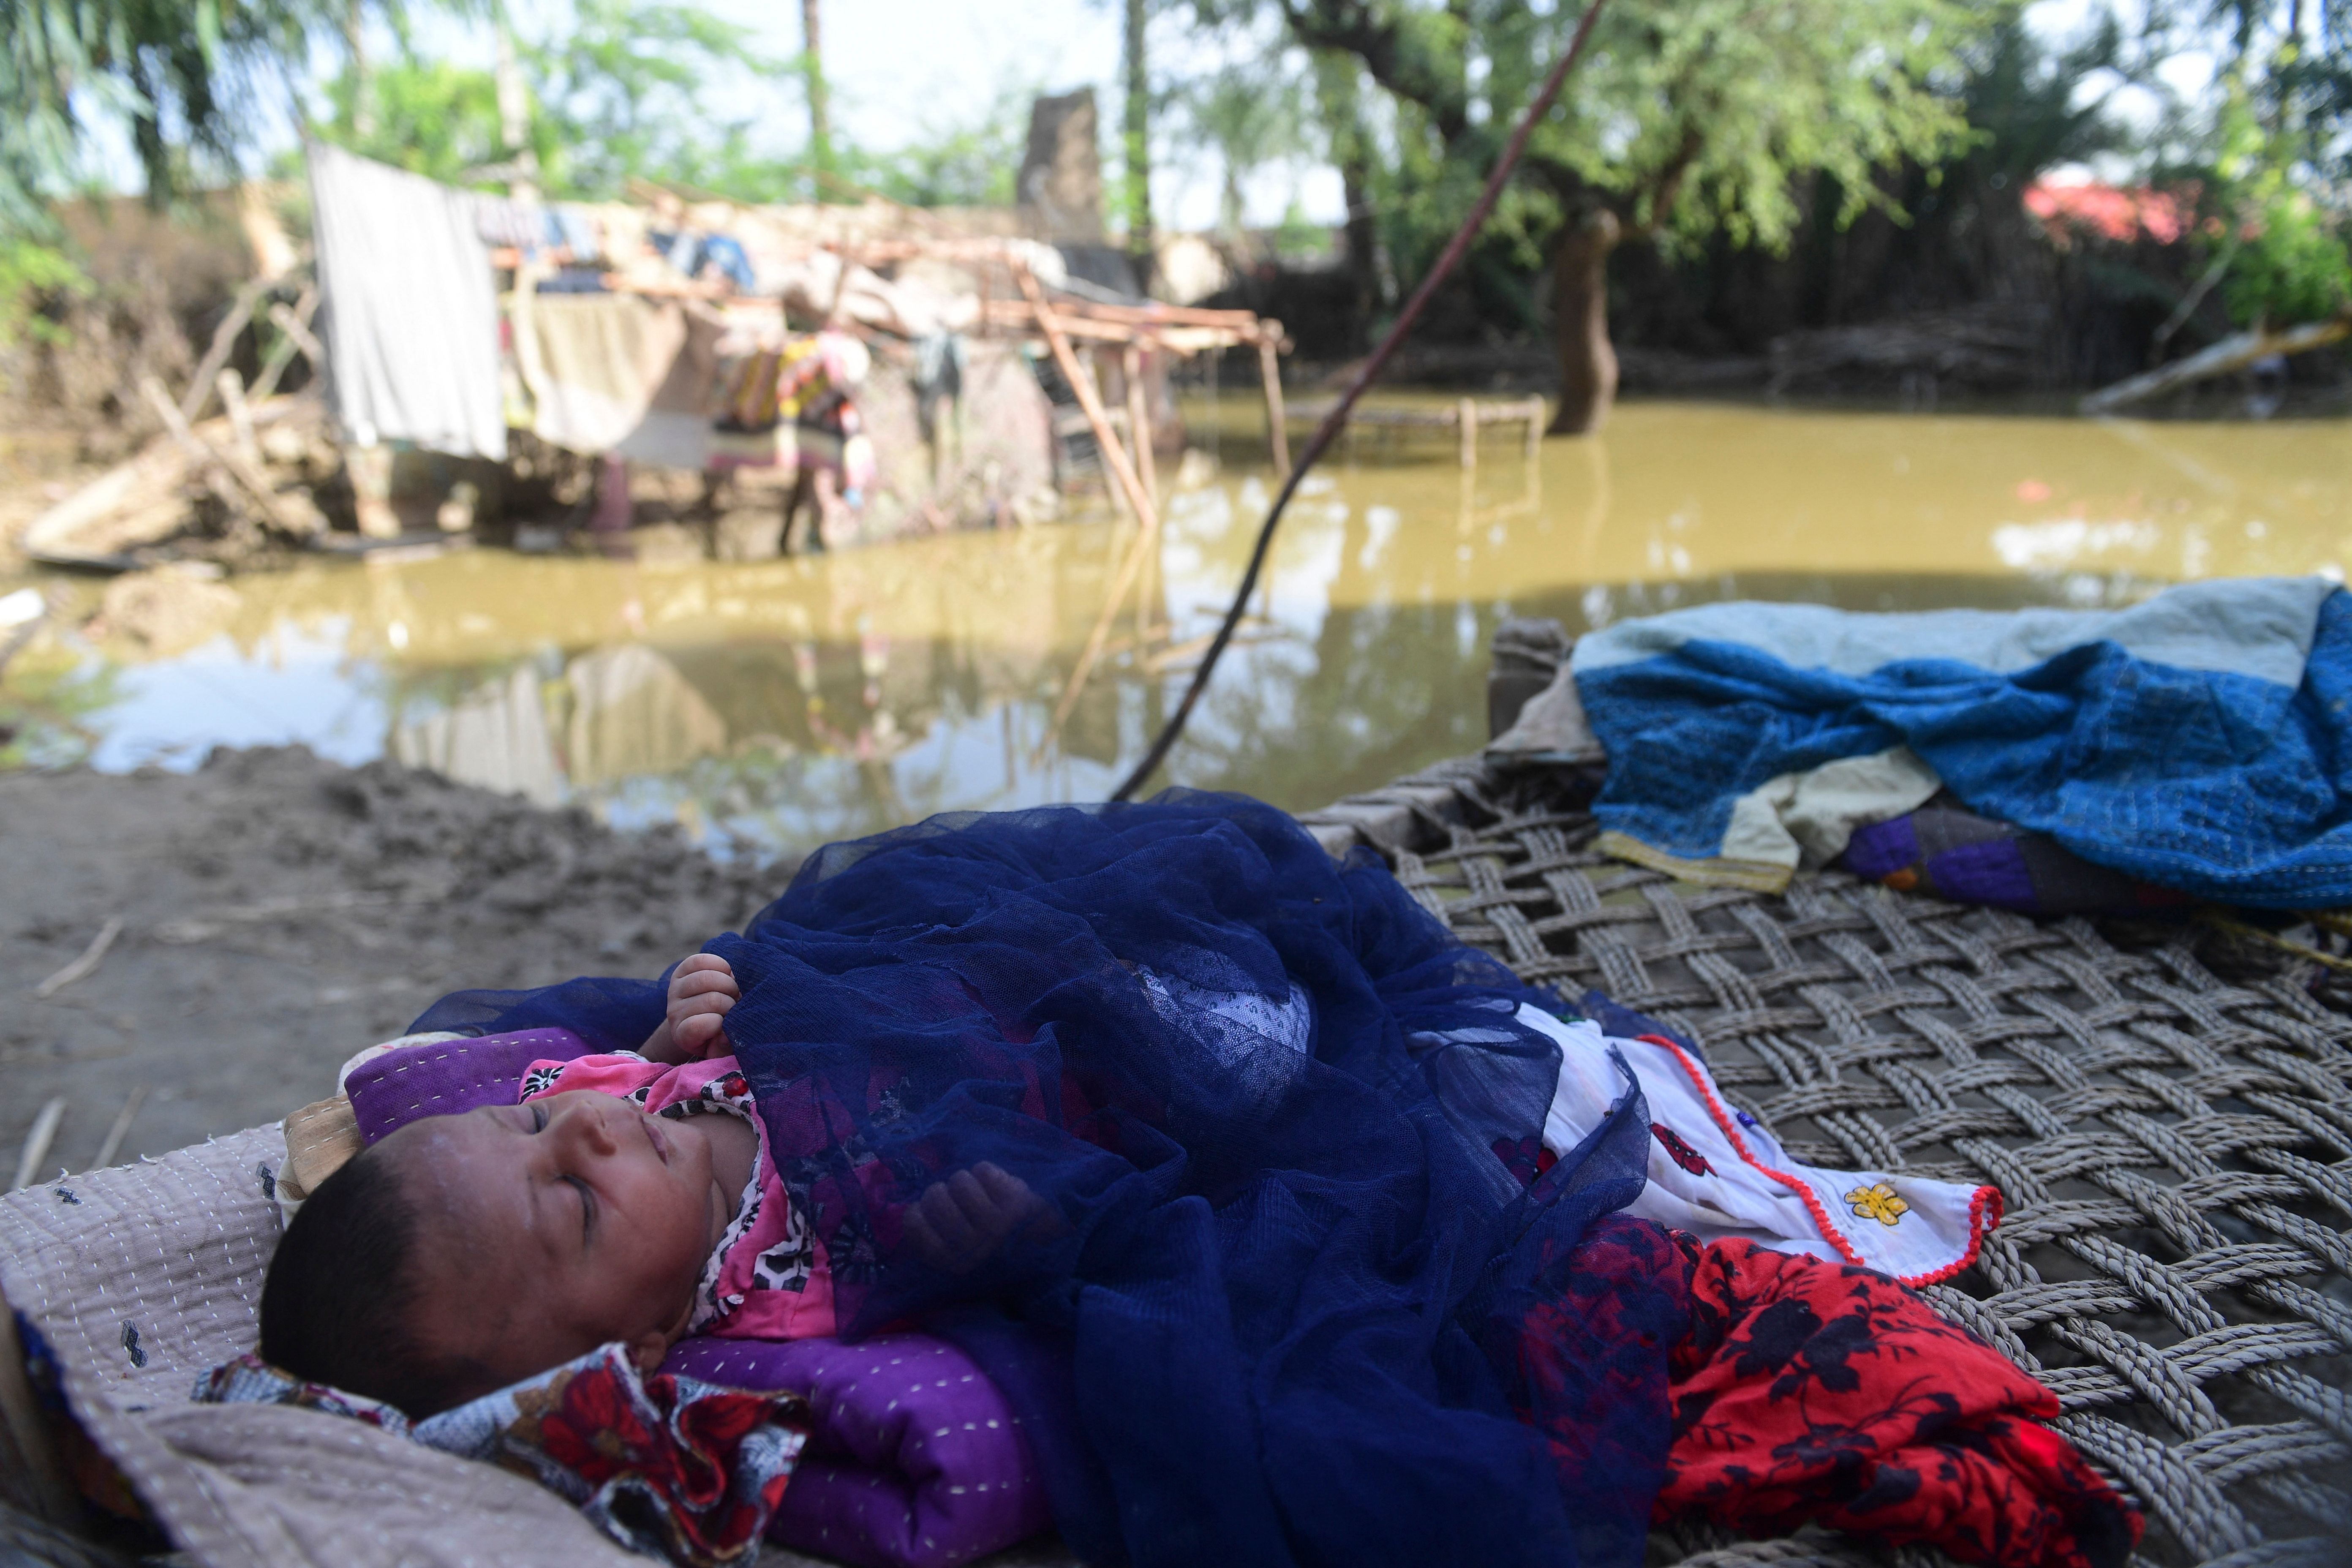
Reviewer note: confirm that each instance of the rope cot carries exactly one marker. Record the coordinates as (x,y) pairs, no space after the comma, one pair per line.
(2169,1117)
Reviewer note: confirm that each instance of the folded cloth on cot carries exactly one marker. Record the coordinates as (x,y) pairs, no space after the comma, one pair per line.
(1945,851)
(665,1465)
(2200,742)
(1717,1173)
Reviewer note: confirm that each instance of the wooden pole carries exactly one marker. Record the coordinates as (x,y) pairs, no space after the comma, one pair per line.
(1143,551)
(1467,416)
(1139,417)
(1089,401)
(1147,463)
(1535,427)
(283,354)
(240,416)
(298,328)
(1277,430)
(248,476)
(224,340)
(2233,352)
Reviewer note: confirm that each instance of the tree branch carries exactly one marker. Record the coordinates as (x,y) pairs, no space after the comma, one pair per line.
(1668,185)
(1388,54)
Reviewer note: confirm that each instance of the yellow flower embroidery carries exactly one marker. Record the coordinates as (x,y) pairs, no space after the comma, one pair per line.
(1878,1203)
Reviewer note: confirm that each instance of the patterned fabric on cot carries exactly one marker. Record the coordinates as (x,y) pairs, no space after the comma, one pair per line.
(1949,852)
(915,1459)
(1718,1173)
(447,1075)
(668,1465)
(1809,1392)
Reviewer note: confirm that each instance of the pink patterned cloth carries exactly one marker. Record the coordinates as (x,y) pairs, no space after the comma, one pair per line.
(769,1278)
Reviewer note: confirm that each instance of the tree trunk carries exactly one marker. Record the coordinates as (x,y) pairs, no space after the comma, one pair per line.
(514,116)
(1363,241)
(1337,99)
(1135,135)
(1588,363)
(363,77)
(819,107)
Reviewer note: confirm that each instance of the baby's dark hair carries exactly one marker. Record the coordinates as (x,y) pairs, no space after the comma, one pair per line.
(338,1306)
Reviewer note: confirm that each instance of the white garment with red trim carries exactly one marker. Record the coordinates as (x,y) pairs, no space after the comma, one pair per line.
(1717,1173)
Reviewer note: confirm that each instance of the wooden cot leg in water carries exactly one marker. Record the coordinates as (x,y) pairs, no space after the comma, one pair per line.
(1138,429)
(1139,418)
(1278,431)
(1467,416)
(1535,427)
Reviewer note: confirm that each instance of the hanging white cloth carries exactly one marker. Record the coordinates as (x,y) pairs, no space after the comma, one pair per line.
(412,315)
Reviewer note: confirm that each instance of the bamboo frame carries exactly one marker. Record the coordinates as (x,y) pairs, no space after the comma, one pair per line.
(1089,401)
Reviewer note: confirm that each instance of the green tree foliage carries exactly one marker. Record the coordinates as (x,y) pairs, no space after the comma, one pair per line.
(2024,100)
(1689,116)
(1689,119)
(429,117)
(187,76)
(620,92)
(955,162)
(1248,114)
(29,269)
(2281,223)
(625,90)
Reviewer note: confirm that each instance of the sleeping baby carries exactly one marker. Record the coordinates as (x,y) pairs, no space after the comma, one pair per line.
(631,1197)
(626,1197)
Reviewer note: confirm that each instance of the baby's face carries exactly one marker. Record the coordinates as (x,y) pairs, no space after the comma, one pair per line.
(552,1228)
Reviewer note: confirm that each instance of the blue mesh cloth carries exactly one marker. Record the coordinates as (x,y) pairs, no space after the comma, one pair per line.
(1259,1304)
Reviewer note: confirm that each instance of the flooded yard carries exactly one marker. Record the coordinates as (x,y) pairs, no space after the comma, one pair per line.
(772,706)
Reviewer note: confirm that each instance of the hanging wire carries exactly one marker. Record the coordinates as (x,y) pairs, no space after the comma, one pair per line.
(1335,421)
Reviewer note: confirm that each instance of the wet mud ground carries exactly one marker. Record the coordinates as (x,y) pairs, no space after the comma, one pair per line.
(278,912)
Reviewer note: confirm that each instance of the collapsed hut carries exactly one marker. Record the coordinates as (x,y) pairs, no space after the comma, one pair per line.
(774,377)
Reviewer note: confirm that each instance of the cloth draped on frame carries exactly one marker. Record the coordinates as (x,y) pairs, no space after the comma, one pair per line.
(411,317)
(685,387)
(1267,1305)
(2199,742)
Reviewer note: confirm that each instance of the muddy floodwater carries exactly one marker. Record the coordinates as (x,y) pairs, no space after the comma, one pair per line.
(772,706)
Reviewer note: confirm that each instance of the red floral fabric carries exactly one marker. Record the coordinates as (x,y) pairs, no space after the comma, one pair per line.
(668,1465)
(1812,1391)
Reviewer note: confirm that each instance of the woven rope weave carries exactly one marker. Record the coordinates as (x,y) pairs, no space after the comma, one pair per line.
(2175,1148)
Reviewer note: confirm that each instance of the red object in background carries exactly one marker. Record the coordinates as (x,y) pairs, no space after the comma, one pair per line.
(2110,212)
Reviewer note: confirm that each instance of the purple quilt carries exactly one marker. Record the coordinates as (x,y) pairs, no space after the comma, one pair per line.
(914,1460)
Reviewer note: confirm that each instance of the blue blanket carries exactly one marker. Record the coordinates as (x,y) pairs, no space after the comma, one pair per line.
(2198,741)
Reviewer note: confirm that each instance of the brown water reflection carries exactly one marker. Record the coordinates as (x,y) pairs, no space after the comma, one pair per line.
(782,703)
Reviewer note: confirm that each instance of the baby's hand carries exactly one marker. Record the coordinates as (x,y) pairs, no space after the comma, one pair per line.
(701,991)
(959,1224)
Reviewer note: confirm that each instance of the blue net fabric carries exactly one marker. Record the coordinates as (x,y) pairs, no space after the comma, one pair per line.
(1263,1290)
